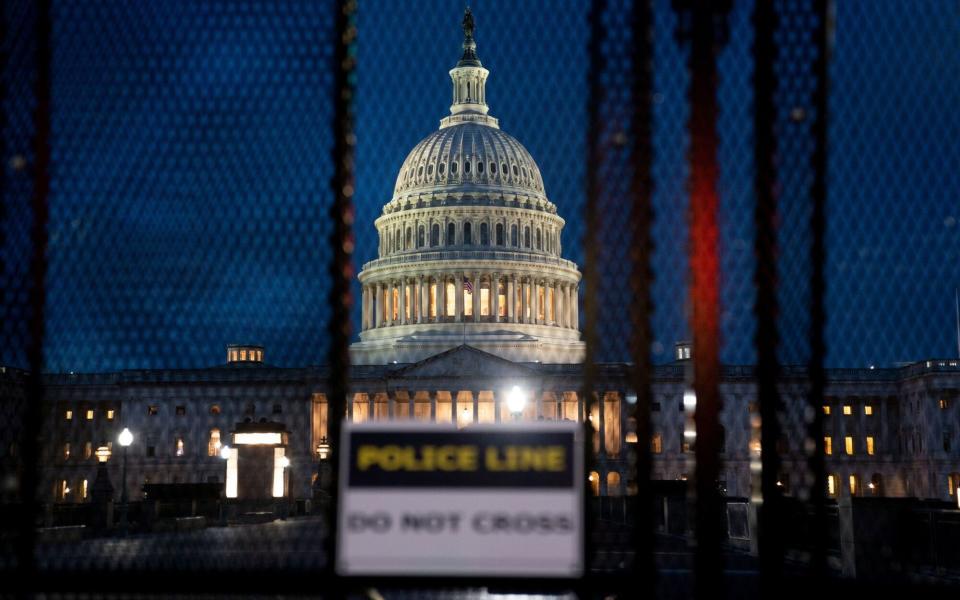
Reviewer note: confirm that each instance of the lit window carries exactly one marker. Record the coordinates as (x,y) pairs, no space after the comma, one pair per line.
(243,355)
(87,450)
(68,415)
(828,446)
(66,451)
(90,414)
(826,409)
(868,410)
(179,446)
(944,404)
(953,483)
(84,488)
(214,409)
(832,485)
(110,414)
(847,409)
(854,485)
(656,443)
(152,410)
(848,444)
(64,489)
(870,447)
(213,446)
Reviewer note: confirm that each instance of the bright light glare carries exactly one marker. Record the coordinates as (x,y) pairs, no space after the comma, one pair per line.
(689,400)
(284,462)
(516,400)
(125,438)
(225,452)
(257,438)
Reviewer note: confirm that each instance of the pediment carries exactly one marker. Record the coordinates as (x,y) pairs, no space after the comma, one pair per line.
(465,361)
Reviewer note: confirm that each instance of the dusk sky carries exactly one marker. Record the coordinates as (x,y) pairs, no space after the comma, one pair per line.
(191,165)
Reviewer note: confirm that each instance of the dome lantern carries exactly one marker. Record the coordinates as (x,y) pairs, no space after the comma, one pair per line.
(469,83)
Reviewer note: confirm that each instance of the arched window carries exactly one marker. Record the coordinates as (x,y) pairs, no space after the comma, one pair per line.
(453,168)
(441,168)
(594,480)
(420,171)
(613,484)
(493,168)
(513,235)
(953,484)
(213,445)
(466,166)
(526,237)
(451,234)
(499,234)
(484,234)
(408,242)
(435,235)
(539,240)
(480,168)
(524,171)
(515,172)
(467,233)
(547,236)
(430,169)
(503,168)
(420,237)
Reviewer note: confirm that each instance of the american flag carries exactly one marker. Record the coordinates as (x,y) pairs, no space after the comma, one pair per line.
(467,286)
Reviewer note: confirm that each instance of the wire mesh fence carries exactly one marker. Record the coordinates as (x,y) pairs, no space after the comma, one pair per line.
(720,235)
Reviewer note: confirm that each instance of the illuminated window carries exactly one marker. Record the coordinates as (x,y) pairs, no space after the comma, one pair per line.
(826,409)
(181,410)
(467,302)
(395,306)
(64,489)
(831,485)
(87,450)
(848,444)
(540,303)
(953,482)
(847,409)
(68,415)
(213,446)
(868,410)
(944,404)
(594,479)
(501,299)
(214,409)
(828,445)
(110,414)
(89,414)
(484,302)
(66,451)
(152,410)
(84,488)
(433,300)
(656,443)
(870,446)
(243,355)
(179,447)
(854,485)
(451,298)
(233,356)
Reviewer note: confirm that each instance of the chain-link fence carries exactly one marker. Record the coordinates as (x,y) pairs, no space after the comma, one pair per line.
(205,242)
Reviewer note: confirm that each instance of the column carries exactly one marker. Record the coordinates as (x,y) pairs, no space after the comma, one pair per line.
(476,296)
(389,303)
(540,405)
(378,306)
(411,397)
(371,406)
(563,304)
(512,298)
(454,414)
(402,301)
(459,292)
(476,406)
(535,302)
(497,409)
(423,294)
(441,297)
(433,406)
(575,307)
(579,407)
(602,429)
(391,405)
(495,296)
(524,302)
(556,303)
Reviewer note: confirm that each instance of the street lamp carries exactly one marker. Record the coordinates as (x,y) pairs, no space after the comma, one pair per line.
(323,448)
(516,401)
(125,438)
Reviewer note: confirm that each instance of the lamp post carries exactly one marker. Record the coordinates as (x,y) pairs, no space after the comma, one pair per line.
(516,402)
(125,438)
(322,483)
(225,455)
(102,491)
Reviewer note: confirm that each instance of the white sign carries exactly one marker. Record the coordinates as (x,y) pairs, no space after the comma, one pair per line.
(488,500)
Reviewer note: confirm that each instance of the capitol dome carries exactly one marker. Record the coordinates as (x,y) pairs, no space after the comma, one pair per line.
(470,246)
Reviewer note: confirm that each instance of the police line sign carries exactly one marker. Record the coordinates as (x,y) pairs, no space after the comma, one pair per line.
(488,500)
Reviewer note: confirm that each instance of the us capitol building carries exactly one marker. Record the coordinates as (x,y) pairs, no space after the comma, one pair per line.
(469,298)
